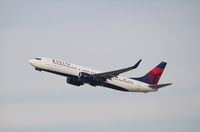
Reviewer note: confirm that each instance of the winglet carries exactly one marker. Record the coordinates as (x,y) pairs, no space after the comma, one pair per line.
(137,64)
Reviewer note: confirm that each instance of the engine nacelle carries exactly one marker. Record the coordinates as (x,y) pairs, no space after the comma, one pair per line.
(74,81)
(86,77)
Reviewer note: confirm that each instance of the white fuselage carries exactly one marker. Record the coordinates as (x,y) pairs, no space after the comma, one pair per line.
(68,69)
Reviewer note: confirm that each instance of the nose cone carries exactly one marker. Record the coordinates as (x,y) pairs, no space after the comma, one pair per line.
(31,62)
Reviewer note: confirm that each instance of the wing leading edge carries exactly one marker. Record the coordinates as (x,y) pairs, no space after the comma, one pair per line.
(108,75)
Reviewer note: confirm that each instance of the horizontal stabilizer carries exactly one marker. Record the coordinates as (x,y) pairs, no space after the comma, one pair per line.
(159,85)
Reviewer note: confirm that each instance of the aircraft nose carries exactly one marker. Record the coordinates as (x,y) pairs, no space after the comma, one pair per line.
(31,62)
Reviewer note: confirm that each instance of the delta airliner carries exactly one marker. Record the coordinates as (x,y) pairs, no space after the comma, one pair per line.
(79,75)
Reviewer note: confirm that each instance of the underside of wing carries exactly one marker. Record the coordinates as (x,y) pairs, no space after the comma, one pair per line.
(108,75)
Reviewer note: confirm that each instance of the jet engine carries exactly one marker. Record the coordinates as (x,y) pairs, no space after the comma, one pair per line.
(74,81)
(86,77)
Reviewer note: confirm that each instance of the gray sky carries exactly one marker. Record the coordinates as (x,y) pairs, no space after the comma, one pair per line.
(105,35)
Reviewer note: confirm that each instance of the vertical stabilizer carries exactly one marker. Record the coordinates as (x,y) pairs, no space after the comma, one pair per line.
(153,76)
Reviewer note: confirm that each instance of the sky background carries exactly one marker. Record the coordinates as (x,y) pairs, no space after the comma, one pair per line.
(106,35)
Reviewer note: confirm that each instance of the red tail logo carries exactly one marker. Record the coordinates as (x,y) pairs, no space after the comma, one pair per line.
(154,75)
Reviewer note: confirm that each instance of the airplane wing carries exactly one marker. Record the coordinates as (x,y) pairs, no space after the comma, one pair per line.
(108,75)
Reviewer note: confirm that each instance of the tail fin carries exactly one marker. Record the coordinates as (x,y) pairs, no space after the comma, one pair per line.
(154,75)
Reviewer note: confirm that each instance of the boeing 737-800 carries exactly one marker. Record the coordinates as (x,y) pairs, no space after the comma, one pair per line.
(79,75)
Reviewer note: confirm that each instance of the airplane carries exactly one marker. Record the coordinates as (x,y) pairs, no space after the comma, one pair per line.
(78,75)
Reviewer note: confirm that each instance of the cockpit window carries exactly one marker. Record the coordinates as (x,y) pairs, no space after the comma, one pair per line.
(38,58)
